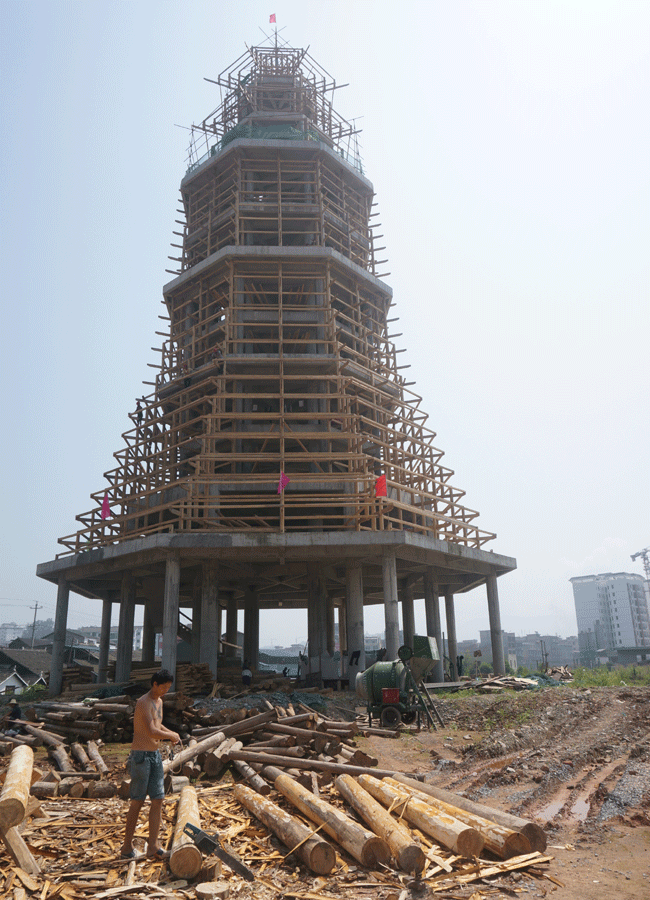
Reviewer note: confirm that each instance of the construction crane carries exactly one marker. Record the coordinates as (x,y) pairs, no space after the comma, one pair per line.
(645,555)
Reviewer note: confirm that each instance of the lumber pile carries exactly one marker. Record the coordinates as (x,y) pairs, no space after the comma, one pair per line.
(499,683)
(303,794)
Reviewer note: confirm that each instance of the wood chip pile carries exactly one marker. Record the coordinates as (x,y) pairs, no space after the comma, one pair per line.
(309,814)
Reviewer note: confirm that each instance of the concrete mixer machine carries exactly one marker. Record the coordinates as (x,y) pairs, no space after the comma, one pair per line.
(392,689)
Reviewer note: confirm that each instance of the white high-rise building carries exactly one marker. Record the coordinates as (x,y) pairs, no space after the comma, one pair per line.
(612,611)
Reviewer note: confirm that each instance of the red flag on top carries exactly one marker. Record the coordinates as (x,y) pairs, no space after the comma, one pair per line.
(380,487)
(272,18)
(106,510)
(283,482)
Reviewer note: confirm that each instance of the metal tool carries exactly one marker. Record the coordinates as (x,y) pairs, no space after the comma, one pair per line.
(212,846)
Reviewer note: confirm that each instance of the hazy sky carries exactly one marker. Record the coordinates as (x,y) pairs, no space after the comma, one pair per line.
(509,146)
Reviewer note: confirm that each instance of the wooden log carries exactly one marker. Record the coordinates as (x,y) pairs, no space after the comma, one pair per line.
(15,791)
(312,849)
(191,768)
(60,756)
(85,776)
(363,845)
(212,890)
(81,756)
(174,784)
(307,720)
(191,752)
(95,755)
(358,757)
(256,781)
(52,775)
(300,752)
(536,835)
(272,740)
(19,851)
(124,789)
(273,759)
(186,860)
(37,775)
(73,787)
(44,790)
(443,828)
(87,731)
(22,740)
(303,735)
(210,870)
(46,737)
(408,854)
(216,760)
(120,708)
(502,841)
(101,789)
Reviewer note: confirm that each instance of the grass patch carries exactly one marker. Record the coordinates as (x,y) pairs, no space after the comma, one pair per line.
(604,676)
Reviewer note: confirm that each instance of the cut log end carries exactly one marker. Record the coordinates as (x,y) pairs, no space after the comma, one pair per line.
(322,858)
(411,859)
(212,889)
(515,844)
(469,843)
(536,837)
(375,853)
(186,861)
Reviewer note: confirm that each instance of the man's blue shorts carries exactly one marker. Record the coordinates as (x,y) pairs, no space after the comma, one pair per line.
(147,776)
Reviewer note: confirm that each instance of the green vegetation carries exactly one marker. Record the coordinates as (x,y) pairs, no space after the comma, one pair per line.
(34,692)
(602,676)
(507,714)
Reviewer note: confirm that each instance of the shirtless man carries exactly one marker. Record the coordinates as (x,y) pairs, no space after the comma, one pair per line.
(145,764)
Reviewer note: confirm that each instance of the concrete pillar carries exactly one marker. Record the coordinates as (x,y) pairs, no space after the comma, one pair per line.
(451,633)
(231,627)
(391,610)
(251,627)
(148,636)
(315,621)
(125,629)
(58,641)
(209,639)
(354,621)
(196,619)
(343,627)
(408,615)
(496,634)
(104,640)
(432,612)
(330,639)
(170,612)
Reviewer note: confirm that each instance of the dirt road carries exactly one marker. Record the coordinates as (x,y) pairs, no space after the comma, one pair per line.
(575,761)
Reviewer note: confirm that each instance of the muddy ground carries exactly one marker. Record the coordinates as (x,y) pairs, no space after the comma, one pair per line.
(575,761)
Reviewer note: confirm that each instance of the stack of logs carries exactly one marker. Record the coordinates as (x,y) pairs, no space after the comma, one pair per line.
(387,806)
(286,763)
(85,777)
(310,745)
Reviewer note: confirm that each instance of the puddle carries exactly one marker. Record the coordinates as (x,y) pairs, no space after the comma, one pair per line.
(581,804)
(580,809)
(551,809)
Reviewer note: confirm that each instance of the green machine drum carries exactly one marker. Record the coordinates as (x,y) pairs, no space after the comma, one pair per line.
(369,684)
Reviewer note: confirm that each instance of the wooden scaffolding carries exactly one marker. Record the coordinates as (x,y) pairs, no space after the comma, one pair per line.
(279,357)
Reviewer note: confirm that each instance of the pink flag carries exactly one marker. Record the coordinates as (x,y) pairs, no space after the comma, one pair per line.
(272,19)
(283,482)
(380,487)
(106,510)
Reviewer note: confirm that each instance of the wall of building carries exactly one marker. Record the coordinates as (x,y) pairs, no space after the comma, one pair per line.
(613,607)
